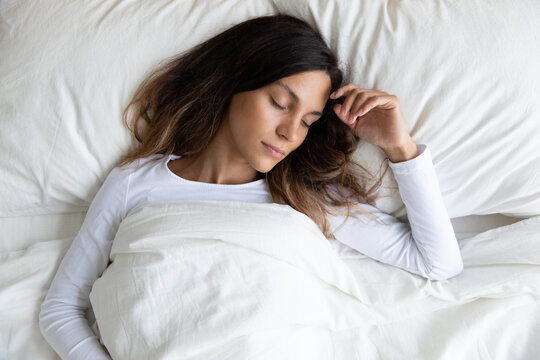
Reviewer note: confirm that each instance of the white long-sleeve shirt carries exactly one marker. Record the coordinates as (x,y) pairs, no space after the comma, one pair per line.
(426,246)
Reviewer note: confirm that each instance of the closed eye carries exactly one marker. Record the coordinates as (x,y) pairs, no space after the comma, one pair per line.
(282,108)
(276,104)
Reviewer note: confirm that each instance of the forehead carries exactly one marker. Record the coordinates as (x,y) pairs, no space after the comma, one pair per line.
(306,88)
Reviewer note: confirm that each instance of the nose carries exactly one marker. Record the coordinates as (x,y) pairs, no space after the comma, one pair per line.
(289,128)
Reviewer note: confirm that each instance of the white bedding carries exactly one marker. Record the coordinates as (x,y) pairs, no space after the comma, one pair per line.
(219,280)
(465,72)
(490,311)
(496,297)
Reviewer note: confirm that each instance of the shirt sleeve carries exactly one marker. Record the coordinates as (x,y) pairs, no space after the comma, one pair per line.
(62,318)
(426,245)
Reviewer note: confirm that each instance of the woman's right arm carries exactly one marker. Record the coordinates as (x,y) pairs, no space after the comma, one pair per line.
(62,319)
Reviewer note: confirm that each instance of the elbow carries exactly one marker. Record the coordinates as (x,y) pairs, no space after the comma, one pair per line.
(445,273)
(42,317)
(49,314)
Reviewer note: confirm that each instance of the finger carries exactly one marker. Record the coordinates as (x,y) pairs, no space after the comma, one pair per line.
(352,96)
(375,101)
(354,99)
(341,114)
(338,109)
(360,96)
(350,86)
(360,100)
(346,119)
(340,91)
(344,90)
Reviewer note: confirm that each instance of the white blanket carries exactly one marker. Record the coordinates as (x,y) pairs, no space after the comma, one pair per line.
(226,280)
(490,311)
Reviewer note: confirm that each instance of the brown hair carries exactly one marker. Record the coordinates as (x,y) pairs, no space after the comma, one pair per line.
(183,101)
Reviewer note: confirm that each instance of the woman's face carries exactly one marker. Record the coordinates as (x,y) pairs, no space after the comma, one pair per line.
(276,116)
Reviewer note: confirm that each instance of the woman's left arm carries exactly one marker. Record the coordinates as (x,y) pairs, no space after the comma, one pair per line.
(428,245)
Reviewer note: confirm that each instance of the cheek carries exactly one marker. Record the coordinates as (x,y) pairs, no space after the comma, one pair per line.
(246,124)
(256,118)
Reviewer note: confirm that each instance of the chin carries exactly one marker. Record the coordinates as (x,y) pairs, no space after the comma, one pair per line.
(265,166)
(264,169)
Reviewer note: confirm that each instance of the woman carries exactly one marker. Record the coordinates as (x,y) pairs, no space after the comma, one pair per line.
(258,114)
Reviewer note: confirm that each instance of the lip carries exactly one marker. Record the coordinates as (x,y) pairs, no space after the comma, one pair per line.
(276,152)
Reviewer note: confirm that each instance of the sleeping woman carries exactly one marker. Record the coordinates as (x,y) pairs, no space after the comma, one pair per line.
(258,114)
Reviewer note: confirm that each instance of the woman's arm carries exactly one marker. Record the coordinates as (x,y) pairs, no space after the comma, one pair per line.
(62,318)
(427,246)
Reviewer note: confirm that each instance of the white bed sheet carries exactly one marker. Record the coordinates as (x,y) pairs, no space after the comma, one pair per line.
(469,226)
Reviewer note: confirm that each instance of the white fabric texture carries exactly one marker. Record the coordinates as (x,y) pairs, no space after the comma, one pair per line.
(25,276)
(219,280)
(427,246)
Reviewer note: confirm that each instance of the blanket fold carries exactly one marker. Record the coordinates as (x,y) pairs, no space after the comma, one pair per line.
(226,280)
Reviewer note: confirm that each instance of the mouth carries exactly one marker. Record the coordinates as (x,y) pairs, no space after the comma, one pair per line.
(274,151)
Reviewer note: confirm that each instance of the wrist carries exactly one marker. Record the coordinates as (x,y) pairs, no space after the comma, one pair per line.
(402,152)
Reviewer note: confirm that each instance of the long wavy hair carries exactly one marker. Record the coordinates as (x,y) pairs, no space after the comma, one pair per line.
(182,102)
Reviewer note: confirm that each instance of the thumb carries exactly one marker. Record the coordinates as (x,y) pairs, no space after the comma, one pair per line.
(338,109)
(345,117)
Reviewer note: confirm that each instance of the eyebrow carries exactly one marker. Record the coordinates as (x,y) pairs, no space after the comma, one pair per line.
(294,96)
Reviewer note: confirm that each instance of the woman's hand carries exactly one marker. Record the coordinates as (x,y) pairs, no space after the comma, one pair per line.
(375,116)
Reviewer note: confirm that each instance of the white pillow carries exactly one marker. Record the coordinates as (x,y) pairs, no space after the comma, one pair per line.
(466,77)
(467,74)
(67,71)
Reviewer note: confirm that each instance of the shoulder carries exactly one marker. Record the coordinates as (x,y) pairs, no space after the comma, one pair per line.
(138,164)
(120,179)
(153,159)
(120,174)
(115,186)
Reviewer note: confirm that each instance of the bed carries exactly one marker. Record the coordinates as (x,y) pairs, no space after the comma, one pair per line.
(466,74)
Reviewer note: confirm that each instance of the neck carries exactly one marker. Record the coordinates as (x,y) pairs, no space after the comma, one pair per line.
(217,164)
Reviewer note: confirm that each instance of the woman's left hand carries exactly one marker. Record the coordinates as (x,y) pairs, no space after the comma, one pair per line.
(375,116)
